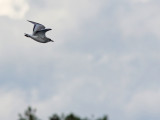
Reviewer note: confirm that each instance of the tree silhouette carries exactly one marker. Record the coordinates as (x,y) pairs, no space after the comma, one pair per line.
(29,114)
(55,117)
(103,118)
(72,117)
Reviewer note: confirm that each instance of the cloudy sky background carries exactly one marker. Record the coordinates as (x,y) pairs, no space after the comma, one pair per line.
(105,58)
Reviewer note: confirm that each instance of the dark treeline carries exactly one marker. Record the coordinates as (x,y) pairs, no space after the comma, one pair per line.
(29,114)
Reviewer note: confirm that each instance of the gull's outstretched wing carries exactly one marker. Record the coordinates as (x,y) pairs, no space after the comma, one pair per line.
(37,26)
(41,33)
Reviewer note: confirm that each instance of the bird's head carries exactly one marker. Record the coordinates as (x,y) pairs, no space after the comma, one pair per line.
(26,35)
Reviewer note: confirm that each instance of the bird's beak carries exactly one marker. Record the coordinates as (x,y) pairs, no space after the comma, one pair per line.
(52,41)
(25,35)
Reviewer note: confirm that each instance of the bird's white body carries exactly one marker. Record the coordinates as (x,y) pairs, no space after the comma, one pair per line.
(38,38)
(39,33)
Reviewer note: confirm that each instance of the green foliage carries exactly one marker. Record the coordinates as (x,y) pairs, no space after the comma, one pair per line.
(103,118)
(72,117)
(55,117)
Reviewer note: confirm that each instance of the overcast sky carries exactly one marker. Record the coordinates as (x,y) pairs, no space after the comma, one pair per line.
(105,58)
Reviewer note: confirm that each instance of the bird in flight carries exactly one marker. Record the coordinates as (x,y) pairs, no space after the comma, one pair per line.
(38,34)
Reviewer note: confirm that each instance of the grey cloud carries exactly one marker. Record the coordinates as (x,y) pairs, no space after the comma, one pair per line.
(103,62)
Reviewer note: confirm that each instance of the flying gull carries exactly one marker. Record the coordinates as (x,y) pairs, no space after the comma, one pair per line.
(38,34)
